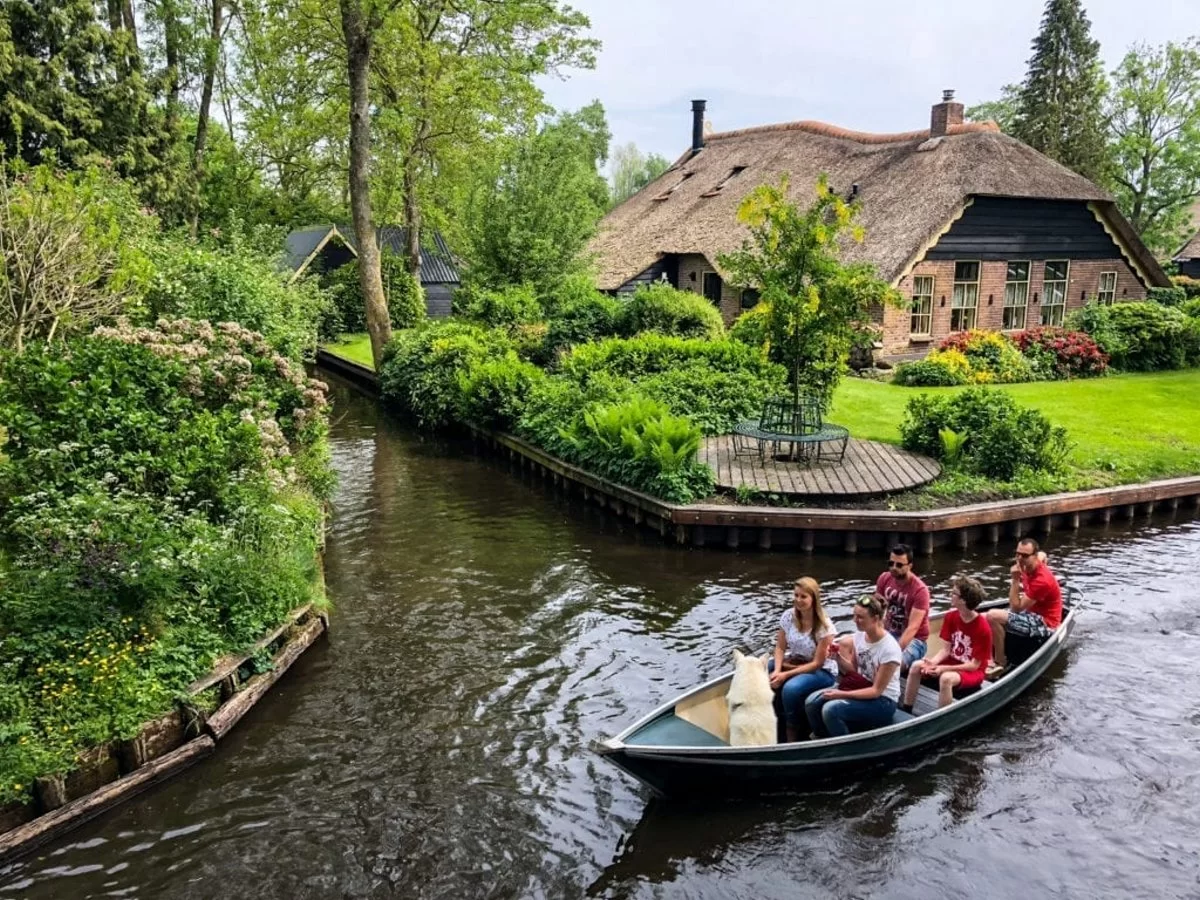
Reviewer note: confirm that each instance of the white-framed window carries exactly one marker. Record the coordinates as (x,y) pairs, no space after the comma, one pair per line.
(1108,288)
(965,302)
(1054,291)
(1016,296)
(921,323)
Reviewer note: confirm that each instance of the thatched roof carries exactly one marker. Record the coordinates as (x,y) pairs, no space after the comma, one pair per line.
(911,188)
(1191,250)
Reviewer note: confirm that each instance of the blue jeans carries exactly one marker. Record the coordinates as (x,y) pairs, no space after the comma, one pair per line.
(796,690)
(915,650)
(834,718)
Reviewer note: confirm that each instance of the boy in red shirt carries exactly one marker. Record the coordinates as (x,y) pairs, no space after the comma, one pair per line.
(964,659)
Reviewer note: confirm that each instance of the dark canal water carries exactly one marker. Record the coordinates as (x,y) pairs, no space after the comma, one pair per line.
(485,630)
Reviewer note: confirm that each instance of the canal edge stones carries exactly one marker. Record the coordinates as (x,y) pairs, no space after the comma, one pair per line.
(111,773)
(850,531)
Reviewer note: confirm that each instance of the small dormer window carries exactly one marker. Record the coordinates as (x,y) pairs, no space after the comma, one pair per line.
(674,187)
(716,189)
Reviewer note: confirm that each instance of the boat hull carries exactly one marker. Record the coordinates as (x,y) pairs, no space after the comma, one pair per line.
(703,771)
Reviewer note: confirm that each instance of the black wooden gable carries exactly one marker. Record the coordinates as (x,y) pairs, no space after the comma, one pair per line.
(1005,228)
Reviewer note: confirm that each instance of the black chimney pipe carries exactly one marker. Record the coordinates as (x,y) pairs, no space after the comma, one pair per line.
(698,125)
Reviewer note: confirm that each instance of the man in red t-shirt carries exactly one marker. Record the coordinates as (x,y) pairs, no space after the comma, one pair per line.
(1034,601)
(906,604)
(968,647)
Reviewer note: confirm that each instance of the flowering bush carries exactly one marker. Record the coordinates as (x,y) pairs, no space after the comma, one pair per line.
(940,368)
(159,506)
(1057,353)
(992,357)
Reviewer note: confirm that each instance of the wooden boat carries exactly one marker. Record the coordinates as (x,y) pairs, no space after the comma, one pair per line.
(682,748)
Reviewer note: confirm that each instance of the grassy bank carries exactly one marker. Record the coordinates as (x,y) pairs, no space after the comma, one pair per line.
(1123,428)
(354,347)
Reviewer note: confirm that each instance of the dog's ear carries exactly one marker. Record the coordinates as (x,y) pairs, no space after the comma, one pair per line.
(738,656)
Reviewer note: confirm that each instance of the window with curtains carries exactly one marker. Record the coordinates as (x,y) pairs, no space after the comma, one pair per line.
(1016,296)
(921,323)
(965,302)
(1054,291)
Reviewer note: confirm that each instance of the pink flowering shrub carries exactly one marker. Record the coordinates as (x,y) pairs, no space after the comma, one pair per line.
(1058,354)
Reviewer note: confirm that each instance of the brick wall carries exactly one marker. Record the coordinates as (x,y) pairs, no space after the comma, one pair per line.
(1083,281)
(692,267)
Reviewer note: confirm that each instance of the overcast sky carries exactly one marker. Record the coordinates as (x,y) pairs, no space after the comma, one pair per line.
(871,65)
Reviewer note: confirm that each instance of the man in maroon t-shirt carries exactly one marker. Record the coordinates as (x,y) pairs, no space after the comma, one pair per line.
(1034,601)
(906,599)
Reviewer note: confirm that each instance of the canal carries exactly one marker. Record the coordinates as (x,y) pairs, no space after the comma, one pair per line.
(485,629)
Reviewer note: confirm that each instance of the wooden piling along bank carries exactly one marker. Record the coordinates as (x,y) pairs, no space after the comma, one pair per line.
(848,530)
(112,773)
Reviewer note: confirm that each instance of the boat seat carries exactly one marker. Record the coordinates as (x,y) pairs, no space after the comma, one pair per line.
(900,716)
(672,731)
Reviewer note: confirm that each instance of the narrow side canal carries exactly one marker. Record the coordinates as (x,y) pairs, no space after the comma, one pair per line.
(485,630)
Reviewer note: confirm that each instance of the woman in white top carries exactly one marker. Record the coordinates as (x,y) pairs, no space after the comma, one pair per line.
(803,660)
(873,656)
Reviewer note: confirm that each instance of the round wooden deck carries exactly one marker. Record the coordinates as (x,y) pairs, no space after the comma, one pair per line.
(869,468)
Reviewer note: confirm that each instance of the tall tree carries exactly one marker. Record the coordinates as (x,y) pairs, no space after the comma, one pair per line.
(361,21)
(632,170)
(1154,122)
(1060,103)
(537,205)
(1002,111)
(212,54)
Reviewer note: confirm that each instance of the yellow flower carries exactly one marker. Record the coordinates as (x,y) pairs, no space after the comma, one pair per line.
(18,787)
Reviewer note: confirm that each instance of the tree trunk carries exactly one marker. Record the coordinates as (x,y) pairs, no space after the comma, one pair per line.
(115,22)
(412,218)
(131,27)
(211,54)
(171,42)
(358,62)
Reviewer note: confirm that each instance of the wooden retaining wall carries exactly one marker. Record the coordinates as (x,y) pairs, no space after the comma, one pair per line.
(848,530)
(112,773)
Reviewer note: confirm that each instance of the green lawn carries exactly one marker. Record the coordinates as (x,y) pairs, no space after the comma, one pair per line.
(1124,428)
(354,347)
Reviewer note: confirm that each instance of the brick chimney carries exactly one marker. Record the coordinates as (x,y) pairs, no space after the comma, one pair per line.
(944,114)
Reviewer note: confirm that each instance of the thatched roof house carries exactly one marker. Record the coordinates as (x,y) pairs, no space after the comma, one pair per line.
(1188,257)
(955,191)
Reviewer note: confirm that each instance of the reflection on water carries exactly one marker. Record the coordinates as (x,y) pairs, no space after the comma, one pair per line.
(486,629)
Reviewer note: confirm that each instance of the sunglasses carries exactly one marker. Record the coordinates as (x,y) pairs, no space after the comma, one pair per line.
(1021,555)
(864,601)
(892,564)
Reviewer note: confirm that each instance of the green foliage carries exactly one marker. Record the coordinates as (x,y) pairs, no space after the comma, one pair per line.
(1167,296)
(1154,132)
(72,252)
(938,369)
(583,314)
(995,436)
(533,210)
(234,283)
(715,384)
(952,444)
(1190,286)
(632,170)
(1191,308)
(422,368)
(347,312)
(815,301)
(753,327)
(1060,103)
(991,357)
(160,506)
(1141,337)
(663,309)
(495,389)
(1002,111)
(505,307)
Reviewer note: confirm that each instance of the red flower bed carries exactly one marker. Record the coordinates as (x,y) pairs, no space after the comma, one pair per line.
(1075,354)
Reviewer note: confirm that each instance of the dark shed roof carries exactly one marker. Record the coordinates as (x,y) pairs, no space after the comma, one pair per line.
(437,262)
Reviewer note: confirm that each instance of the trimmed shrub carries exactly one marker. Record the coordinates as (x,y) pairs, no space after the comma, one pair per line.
(494,390)
(421,369)
(999,438)
(1056,353)
(714,383)
(1167,296)
(504,308)
(1191,286)
(588,316)
(666,310)
(1191,308)
(405,297)
(991,356)
(938,369)
(1141,336)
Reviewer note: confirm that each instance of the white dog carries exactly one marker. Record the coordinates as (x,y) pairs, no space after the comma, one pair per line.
(751,715)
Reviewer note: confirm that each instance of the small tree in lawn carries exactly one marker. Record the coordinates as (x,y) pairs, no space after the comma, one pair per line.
(817,303)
